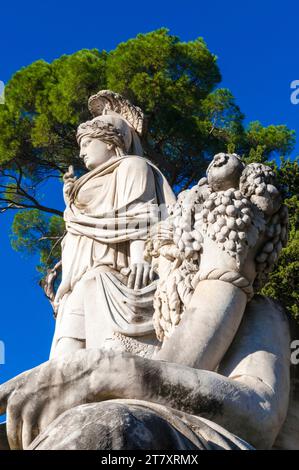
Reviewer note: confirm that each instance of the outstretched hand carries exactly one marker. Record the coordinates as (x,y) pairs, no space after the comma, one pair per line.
(34,399)
(18,415)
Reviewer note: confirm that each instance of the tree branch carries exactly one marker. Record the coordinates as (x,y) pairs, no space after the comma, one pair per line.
(22,192)
(22,205)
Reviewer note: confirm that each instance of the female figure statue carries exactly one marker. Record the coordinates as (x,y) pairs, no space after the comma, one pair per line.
(107,287)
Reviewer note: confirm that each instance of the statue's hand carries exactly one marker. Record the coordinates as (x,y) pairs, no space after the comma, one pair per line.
(22,405)
(140,275)
(69,179)
(35,398)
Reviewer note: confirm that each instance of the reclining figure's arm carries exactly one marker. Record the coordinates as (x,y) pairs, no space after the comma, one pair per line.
(250,402)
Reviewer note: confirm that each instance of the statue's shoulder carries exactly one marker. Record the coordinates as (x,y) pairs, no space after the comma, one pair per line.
(134,163)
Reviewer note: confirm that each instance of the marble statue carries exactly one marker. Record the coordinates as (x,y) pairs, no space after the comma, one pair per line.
(160,343)
(107,287)
(224,235)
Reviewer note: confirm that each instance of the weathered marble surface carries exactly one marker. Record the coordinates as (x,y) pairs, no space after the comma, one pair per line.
(288,437)
(248,396)
(133,425)
(191,359)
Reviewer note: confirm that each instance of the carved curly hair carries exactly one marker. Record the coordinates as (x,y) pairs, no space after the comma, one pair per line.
(105,131)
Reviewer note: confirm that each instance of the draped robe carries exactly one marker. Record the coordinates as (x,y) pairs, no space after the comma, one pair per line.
(109,207)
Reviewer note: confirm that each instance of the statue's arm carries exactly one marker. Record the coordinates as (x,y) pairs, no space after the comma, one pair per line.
(207,327)
(135,188)
(34,400)
(249,397)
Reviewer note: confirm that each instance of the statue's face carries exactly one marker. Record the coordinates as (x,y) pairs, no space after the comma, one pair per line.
(224,172)
(94,152)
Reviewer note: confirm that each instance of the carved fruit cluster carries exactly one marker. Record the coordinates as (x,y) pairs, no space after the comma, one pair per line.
(257,179)
(189,202)
(227,217)
(276,238)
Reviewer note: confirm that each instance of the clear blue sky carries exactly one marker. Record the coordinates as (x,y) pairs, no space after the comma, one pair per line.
(257,44)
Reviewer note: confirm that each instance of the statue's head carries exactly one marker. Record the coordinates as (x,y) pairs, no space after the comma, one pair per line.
(114,131)
(224,171)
